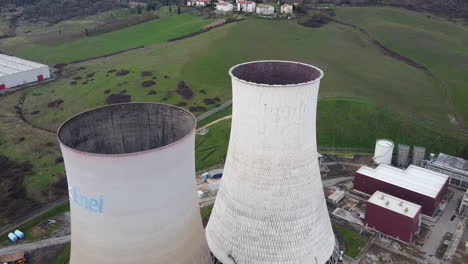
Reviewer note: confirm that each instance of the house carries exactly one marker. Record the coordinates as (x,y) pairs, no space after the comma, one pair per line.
(224,7)
(286,9)
(199,3)
(246,6)
(265,10)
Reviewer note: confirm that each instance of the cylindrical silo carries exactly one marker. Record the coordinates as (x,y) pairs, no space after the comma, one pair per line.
(383,151)
(270,207)
(403,155)
(419,154)
(130,170)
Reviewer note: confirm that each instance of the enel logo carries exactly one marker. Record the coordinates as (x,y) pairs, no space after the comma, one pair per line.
(90,204)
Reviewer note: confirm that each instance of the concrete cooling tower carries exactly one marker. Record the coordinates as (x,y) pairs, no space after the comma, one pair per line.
(130,170)
(271,207)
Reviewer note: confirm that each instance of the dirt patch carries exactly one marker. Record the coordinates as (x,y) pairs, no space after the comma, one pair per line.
(107,91)
(35,112)
(14,202)
(209,101)
(184,90)
(37,231)
(59,160)
(148,83)
(146,73)
(316,21)
(122,73)
(118,98)
(197,109)
(55,103)
(152,92)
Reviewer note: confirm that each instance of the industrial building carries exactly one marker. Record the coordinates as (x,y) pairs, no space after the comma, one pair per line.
(271,207)
(455,168)
(15,71)
(393,216)
(415,184)
(131,175)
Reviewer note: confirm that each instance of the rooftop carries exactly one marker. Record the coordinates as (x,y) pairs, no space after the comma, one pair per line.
(246,2)
(264,6)
(414,178)
(223,3)
(394,204)
(452,163)
(11,65)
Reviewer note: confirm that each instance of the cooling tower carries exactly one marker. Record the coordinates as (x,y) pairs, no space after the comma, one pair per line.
(130,170)
(270,206)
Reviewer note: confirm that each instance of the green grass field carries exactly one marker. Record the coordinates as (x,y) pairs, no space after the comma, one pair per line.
(139,35)
(436,43)
(211,148)
(353,241)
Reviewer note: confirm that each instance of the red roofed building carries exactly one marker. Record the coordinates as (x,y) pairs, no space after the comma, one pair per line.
(246,6)
(265,10)
(286,9)
(224,7)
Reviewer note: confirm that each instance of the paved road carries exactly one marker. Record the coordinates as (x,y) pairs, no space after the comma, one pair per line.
(35,245)
(443,225)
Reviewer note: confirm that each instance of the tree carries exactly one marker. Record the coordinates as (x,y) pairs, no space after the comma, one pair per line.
(178,9)
(170,9)
(139,9)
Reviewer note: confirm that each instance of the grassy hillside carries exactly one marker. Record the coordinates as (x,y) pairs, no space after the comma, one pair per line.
(143,34)
(438,44)
(353,68)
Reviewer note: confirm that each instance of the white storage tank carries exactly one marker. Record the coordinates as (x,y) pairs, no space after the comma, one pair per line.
(383,151)
(419,154)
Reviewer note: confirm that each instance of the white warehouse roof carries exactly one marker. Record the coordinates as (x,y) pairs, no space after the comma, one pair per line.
(11,65)
(414,178)
(394,204)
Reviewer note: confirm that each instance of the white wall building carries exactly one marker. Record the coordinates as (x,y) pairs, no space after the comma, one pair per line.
(15,71)
(246,6)
(286,9)
(199,3)
(270,207)
(224,7)
(265,10)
